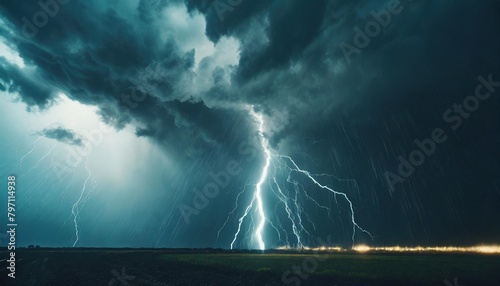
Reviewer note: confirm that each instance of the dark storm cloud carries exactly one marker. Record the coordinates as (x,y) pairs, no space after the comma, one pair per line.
(227,17)
(291,30)
(63,135)
(300,70)
(34,91)
(100,55)
(290,63)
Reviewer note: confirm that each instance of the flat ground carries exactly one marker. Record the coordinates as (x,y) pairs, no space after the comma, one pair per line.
(122,267)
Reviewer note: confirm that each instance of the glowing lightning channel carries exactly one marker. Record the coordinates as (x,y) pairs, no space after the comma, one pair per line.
(258,188)
(240,221)
(294,211)
(263,176)
(232,212)
(39,161)
(283,199)
(75,211)
(29,152)
(354,223)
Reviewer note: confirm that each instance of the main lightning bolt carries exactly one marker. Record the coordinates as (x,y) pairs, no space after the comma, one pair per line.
(263,176)
(257,198)
(294,210)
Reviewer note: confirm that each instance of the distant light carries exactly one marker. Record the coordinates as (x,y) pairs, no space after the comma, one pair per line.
(483,249)
(472,249)
(361,248)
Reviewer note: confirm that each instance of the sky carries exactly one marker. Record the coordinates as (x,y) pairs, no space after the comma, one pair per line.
(251,124)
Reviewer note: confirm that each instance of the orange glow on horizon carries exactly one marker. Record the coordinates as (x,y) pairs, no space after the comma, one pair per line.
(483,249)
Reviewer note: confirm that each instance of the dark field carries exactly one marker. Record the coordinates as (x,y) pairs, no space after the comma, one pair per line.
(123,267)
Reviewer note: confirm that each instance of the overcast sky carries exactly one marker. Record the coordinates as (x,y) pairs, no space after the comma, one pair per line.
(113,114)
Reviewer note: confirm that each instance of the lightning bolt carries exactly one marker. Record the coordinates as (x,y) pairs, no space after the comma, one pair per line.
(292,207)
(258,188)
(257,198)
(29,152)
(232,211)
(283,198)
(240,221)
(353,220)
(75,210)
(39,161)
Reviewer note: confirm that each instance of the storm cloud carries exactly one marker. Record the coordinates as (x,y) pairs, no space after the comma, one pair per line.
(62,135)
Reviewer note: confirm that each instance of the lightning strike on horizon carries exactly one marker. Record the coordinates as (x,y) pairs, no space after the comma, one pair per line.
(240,221)
(287,241)
(258,188)
(353,220)
(283,199)
(290,201)
(232,211)
(75,210)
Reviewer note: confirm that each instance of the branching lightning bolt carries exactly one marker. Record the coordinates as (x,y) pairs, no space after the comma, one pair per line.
(353,220)
(289,212)
(75,210)
(294,211)
(29,152)
(39,161)
(232,212)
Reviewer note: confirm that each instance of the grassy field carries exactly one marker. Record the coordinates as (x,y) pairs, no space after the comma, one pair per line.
(66,267)
(356,269)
